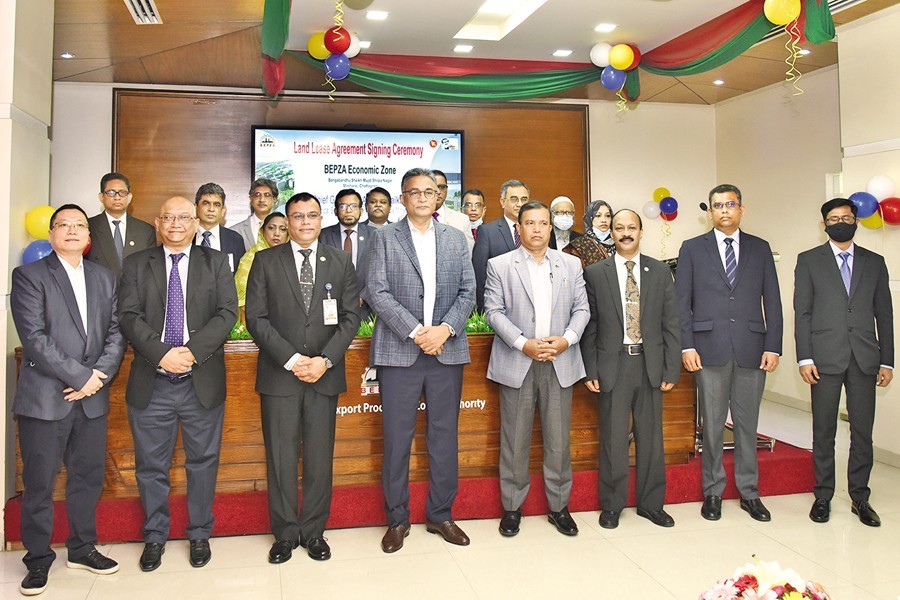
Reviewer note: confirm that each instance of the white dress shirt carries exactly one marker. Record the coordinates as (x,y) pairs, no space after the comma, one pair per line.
(183,275)
(512,228)
(112,226)
(622,276)
(79,286)
(215,239)
(255,223)
(721,245)
(426,253)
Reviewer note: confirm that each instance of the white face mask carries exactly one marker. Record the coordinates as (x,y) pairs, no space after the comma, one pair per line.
(563,222)
(476,224)
(601,235)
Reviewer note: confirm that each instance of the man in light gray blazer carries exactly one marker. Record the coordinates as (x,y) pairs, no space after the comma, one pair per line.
(535,300)
(64,308)
(421,285)
(263,197)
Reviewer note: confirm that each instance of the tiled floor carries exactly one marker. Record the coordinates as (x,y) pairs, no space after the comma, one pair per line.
(637,560)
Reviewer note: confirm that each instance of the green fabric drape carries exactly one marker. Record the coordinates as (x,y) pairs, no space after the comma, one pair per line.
(819,21)
(276,18)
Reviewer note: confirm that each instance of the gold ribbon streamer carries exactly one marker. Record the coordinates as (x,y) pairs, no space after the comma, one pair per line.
(330,81)
(793,75)
(338,22)
(622,102)
(666,231)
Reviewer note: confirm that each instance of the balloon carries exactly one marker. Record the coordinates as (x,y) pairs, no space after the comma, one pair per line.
(660,193)
(873,222)
(651,209)
(87,248)
(358,4)
(668,205)
(621,56)
(865,202)
(880,186)
(337,40)
(316,46)
(890,210)
(37,222)
(354,48)
(782,12)
(612,78)
(337,66)
(600,54)
(36,250)
(669,217)
(637,57)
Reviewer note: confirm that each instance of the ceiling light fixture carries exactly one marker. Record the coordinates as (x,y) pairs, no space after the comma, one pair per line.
(377,15)
(364,44)
(463,48)
(562,53)
(805,51)
(605,27)
(67,55)
(719,82)
(496,18)
(144,12)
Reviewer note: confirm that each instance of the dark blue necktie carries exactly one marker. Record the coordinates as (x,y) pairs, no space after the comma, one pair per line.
(730,261)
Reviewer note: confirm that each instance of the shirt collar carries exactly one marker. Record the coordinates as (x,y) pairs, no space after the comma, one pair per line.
(214,231)
(720,237)
(69,268)
(295,247)
(110,218)
(621,260)
(414,230)
(168,252)
(837,250)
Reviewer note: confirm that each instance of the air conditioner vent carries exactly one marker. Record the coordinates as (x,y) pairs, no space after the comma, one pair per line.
(144,12)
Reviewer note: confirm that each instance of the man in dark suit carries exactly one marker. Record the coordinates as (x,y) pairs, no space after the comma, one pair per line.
(473,207)
(114,233)
(350,235)
(177,304)
(303,312)
(731,327)
(65,313)
(631,351)
(378,207)
(263,197)
(844,330)
(421,286)
(210,201)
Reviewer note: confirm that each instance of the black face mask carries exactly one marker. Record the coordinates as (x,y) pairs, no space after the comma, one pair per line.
(841,232)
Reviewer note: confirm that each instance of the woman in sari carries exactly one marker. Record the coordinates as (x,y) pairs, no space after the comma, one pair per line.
(596,243)
(274,231)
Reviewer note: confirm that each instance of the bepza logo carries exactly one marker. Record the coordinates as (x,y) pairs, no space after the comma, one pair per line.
(448,143)
(433,143)
(266,140)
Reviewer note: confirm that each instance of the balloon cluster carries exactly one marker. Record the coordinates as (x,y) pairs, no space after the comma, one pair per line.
(37,223)
(615,60)
(877,205)
(663,205)
(335,46)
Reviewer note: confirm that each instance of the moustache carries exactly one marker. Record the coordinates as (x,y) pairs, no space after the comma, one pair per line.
(627,238)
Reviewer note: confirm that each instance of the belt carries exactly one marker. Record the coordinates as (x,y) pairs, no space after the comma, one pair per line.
(633,349)
(178,376)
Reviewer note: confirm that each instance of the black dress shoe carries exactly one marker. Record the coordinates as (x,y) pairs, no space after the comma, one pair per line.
(564,522)
(756,509)
(151,557)
(609,519)
(94,562)
(200,553)
(35,582)
(712,508)
(820,511)
(509,524)
(281,551)
(657,517)
(866,514)
(317,548)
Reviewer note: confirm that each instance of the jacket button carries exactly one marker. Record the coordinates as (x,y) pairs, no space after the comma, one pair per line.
(732,298)
(850,329)
(849,310)
(732,320)
(85,359)
(304,345)
(421,297)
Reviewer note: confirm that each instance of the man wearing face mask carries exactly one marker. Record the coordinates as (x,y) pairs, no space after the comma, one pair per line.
(843,328)
(562,211)
(473,207)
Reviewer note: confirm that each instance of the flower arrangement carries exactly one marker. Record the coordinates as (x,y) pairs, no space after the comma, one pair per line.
(761,580)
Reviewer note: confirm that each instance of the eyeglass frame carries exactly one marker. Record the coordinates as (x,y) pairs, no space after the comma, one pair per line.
(415,194)
(113,193)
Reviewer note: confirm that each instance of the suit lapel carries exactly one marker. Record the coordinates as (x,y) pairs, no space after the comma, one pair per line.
(101,236)
(286,255)
(834,271)
(712,248)
(524,276)
(194,260)
(859,264)
(746,252)
(65,286)
(557,276)
(92,284)
(404,238)
(158,270)
(609,269)
(130,228)
(507,236)
(323,276)
(647,275)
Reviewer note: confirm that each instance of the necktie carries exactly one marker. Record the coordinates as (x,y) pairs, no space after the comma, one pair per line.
(206,243)
(475,233)
(436,214)
(845,270)
(730,261)
(118,241)
(632,305)
(516,237)
(306,278)
(174,331)
(348,243)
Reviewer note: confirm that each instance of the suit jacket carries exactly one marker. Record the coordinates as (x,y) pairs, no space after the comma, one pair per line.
(333,236)
(509,306)
(138,236)
(458,220)
(231,244)
(573,235)
(720,321)
(395,291)
(57,352)
(829,325)
(245,229)
(602,345)
(211,312)
(281,326)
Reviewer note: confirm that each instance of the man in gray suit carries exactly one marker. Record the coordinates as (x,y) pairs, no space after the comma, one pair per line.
(844,330)
(731,327)
(535,301)
(421,286)
(114,233)
(177,304)
(630,348)
(65,313)
(350,235)
(263,197)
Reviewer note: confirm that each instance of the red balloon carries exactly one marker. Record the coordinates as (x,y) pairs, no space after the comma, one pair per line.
(890,210)
(637,57)
(87,248)
(670,217)
(337,40)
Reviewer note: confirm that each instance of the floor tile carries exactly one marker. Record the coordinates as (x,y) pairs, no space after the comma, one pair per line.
(200,584)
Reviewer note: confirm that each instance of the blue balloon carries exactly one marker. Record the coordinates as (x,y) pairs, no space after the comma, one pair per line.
(612,78)
(866,203)
(668,205)
(36,250)
(337,66)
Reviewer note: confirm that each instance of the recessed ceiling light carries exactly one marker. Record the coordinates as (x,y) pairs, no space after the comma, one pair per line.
(605,27)
(805,51)
(562,53)
(365,44)
(719,82)
(377,15)
(463,48)
(67,55)
(494,19)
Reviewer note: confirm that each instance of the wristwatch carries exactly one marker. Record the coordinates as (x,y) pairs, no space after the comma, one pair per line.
(328,363)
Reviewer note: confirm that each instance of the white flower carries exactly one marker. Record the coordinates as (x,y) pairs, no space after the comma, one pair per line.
(769,575)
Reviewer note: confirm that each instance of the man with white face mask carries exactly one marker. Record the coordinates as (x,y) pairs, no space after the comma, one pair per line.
(562,211)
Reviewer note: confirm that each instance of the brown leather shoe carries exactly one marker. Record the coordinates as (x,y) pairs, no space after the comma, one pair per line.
(393,538)
(448,530)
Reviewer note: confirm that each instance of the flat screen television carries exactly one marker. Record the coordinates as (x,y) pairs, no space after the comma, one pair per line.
(325,161)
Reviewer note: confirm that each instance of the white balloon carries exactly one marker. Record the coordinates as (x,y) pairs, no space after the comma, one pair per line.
(600,54)
(881,186)
(651,209)
(353,50)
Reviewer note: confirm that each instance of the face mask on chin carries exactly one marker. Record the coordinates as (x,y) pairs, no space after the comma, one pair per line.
(476,224)
(841,232)
(563,222)
(601,235)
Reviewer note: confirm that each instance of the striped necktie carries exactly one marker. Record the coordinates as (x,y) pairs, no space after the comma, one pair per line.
(730,261)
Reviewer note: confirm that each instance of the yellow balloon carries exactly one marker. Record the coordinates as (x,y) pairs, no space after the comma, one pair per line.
(621,56)
(37,222)
(782,12)
(873,221)
(660,193)
(316,46)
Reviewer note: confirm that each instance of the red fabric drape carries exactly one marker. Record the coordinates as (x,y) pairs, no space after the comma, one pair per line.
(273,74)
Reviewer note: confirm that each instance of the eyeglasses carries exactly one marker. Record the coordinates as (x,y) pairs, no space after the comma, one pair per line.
(348,207)
(443,188)
(262,195)
(730,205)
(415,194)
(114,193)
(183,219)
(300,217)
(76,225)
(848,219)
(516,200)
(563,213)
